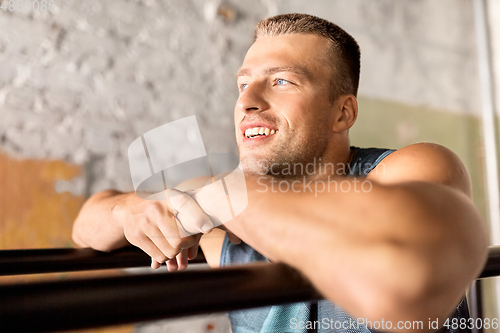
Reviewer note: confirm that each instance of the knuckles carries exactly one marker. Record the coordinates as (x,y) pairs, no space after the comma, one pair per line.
(162,258)
(148,218)
(134,235)
(154,210)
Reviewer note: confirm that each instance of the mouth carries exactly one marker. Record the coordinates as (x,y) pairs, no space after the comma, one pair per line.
(259,132)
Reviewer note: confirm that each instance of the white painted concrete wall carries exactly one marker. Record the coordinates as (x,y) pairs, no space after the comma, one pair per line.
(82,82)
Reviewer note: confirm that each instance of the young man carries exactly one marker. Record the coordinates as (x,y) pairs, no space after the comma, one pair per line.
(397,249)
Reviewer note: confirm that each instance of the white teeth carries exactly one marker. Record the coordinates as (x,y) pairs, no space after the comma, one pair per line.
(252,132)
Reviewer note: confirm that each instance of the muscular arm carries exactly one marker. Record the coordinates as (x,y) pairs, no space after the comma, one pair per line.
(406,250)
(100,225)
(96,226)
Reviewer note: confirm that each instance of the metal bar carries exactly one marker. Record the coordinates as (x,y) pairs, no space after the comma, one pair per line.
(488,123)
(85,303)
(488,118)
(476,304)
(33,261)
(492,266)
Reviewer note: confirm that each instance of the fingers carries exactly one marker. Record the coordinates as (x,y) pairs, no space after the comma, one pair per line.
(151,240)
(163,236)
(148,246)
(160,246)
(193,219)
(159,227)
(172,265)
(180,251)
(155,264)
(142,229)
(193,252)
(182,260)
(168,224)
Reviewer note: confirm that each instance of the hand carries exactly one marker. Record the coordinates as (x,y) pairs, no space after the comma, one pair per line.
(192,217)
(151,226)
(217,205)
(213,200)
(198,211)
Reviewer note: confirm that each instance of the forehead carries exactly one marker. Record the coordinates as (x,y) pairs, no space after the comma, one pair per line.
(299,50)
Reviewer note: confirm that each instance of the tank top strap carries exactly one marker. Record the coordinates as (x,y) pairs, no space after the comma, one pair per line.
(366,159)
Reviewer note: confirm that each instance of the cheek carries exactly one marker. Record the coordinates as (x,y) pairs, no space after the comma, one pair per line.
(298,112)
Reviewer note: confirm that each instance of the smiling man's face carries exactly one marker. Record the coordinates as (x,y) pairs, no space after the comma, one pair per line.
(285,87)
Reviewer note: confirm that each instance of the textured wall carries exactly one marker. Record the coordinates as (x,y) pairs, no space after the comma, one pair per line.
(419,52)
(494,30)
(80,83)
(30,208)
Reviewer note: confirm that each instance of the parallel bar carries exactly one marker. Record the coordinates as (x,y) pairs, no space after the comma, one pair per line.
(492,267)
(489,124)
(33,261)
(488,117)
(17,262)
(476,304)
(85,303)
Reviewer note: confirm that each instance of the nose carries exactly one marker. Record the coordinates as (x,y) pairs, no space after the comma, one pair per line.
(252,99)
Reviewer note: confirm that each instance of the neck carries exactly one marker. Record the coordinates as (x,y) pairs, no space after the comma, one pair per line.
(333,164)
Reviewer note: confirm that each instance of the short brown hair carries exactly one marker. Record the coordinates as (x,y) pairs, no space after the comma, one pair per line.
(344,49)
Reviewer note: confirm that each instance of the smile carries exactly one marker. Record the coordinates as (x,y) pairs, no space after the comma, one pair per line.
(259,131)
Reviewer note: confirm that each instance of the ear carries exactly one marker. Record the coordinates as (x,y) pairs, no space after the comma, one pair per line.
(346,107)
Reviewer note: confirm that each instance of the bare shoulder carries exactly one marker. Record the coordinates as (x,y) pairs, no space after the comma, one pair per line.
(425,161)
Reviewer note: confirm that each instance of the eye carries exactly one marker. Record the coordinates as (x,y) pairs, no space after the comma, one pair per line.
(243,87)
(281,82)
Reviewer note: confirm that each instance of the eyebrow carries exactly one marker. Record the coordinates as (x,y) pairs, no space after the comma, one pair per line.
(298,70)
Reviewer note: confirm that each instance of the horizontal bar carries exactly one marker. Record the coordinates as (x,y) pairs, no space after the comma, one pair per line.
(33,261)
(86,303)
(492,266)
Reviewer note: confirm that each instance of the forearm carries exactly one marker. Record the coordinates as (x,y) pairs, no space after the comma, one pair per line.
(396,251)
(97,226)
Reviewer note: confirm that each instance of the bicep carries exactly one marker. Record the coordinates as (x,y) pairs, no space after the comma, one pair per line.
(426,162)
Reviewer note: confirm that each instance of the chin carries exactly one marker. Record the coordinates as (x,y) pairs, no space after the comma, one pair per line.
(253,165)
